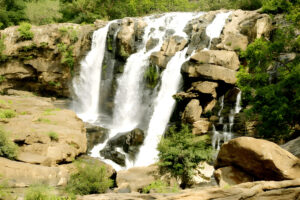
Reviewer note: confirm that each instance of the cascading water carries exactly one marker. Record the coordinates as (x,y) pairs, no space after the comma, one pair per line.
(87,85)
(226,134)
(130,108)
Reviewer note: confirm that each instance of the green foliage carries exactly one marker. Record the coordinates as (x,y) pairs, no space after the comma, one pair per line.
(89,179)
(53,136)
(67,57)
(151,76)
(7,113)
(276,6)
(43,192)
(70,32)
(43,11)
(159,186)
(270,83)
(25,31)
(2,78)
(2,48)
(180,152)
(11,12)
(8,149)
(44,120)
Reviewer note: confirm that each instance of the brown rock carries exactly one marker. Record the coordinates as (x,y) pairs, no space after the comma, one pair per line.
(185,95)
(209,107)
(137,178)
(201,126)
(19,174)
(209,72)
(192,111)
(205,87)
(37,118)
(126,36)
(227,176)
(203,173)
(260,158)
(227,59)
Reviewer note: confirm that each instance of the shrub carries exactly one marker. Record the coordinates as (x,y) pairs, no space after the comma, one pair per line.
(43,192)
(180,152)
(276,6)
(25,32)
(151,76)
(159,186)
(67,57)
(89,179)
(8,149)
(7,113)
(2,48)
(53,136)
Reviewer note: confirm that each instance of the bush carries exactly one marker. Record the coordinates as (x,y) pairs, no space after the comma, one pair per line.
(180,152)
(160,187)
(276,6)
(2,48)
(25,32)
(7,113)
(8,149)
(151,76)
(53,136)
(89,179)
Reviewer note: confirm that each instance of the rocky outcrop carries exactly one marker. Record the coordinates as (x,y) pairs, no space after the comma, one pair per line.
(45,134)
(267,190)
(20,174)
(45,63)
(168,49)
(261,159)
(201,126)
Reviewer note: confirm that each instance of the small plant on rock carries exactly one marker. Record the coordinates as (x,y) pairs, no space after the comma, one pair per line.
(8,149)
(53,136)
(25,31)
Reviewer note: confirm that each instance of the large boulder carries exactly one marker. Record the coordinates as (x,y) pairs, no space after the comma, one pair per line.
(201,126)
(45,134)
(259,158)
(228,176)
(227,59)
(19,174)
(192,111)
(137,178)
(209,72)
(126,38)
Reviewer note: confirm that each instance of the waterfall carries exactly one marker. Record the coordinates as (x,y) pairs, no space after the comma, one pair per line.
(132,103)
(87,85)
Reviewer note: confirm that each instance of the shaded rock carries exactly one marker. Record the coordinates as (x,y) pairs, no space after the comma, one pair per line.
(19,174)
(137,178)
(31,129)
(261,159)
(227,176)
(293,146)
(204,87)
(227,59)
(201,126)
(192,111)
(151,43)
(209,72)
(114,155)
(231,95)
(95,135)
(185,95)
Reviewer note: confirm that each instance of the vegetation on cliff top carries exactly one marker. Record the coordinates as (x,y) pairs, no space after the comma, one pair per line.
(270,80)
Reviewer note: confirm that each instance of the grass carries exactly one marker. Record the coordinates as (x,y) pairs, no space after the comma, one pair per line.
(44,192)
(7,113)
(53,136)
(44,120)
(25,31)
(50,111)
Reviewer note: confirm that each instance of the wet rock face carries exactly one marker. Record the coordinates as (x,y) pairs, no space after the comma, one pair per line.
(129,142)
(95,135)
